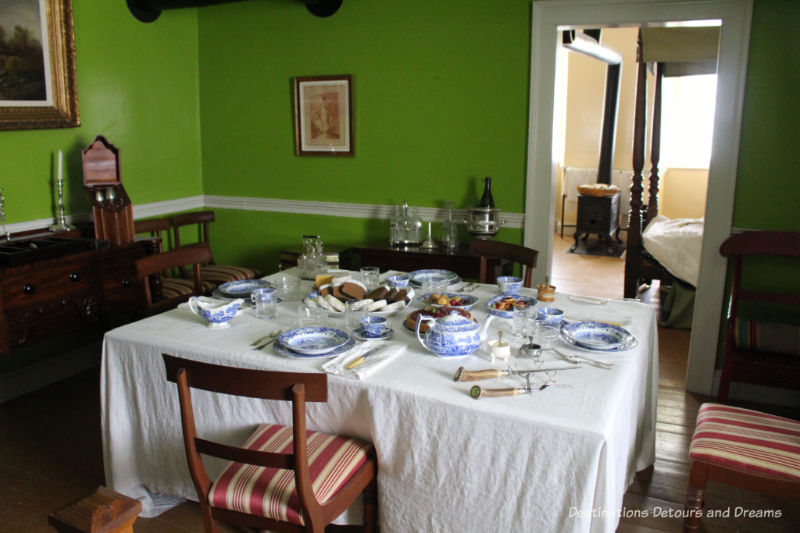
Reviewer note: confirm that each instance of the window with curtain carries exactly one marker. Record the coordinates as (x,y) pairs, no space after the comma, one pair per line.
(687,120)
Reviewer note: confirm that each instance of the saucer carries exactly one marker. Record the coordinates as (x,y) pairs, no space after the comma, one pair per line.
(362,336)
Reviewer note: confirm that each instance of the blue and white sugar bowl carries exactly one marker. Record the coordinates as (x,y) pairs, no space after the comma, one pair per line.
(214,311)
(509,284)
(398,281)
(452,335)
(550,316)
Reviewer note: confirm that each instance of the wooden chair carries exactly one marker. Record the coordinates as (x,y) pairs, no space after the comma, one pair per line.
(760,351)
(745,448)
(504,252)
(164,293)
(212,272)
(156,228)
(299,491)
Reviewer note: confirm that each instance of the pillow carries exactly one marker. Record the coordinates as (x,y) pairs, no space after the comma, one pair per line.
(767,337)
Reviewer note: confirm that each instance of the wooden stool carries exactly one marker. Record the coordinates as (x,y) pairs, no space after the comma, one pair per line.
(105,511)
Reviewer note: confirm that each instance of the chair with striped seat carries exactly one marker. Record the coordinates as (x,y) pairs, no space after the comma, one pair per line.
(212,272)
(162,293)
(745,448)
(282,478)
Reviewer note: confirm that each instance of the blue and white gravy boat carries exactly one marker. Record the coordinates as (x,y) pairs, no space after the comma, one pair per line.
(214,311)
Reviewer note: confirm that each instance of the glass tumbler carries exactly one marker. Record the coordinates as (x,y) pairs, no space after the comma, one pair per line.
(311,316)
(522,314)
(265,300)
(354,311)
(370,277)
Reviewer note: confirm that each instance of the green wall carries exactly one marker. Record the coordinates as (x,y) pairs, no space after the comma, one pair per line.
(766,193)
(138,86)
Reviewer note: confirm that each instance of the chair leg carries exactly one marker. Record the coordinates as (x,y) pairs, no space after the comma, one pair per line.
(208,521)
(370,507)
(693,509)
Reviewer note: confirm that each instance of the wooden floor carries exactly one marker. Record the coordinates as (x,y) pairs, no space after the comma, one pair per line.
(51,455)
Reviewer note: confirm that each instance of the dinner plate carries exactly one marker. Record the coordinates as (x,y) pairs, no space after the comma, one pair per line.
(419,277)
(410,295)
(362,336)
(280,349)
(217,294)
(491,305)
(596,335)
(242,288)
(632,343)
(313,340)
(468,300)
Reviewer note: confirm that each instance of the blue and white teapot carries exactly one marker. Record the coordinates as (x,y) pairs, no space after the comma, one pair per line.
(452,335)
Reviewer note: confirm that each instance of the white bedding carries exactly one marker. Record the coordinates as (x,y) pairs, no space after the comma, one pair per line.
(676,245)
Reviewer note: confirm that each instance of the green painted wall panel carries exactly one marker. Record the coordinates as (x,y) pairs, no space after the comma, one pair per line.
(766,192)
(439,98)
(138,86)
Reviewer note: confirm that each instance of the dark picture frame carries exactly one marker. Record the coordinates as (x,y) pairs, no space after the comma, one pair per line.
(38,88)
(323,115)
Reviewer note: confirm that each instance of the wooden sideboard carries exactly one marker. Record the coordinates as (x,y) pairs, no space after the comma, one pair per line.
(52,285)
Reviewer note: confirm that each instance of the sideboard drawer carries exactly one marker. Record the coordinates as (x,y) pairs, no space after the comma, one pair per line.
(74,312)
(122,292)
(32,284)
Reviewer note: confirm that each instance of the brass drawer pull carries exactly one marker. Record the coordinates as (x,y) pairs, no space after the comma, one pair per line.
(28,288)
(74,276)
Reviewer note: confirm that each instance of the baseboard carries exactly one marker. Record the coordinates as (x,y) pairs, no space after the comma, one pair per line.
(30,378)
(758,393)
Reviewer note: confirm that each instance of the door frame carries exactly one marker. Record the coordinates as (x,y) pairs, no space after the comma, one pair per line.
(542,172)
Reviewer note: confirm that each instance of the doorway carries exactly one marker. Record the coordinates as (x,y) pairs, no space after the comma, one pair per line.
(547,18)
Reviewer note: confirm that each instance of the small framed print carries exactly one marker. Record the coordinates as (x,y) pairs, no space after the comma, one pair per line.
(323,115)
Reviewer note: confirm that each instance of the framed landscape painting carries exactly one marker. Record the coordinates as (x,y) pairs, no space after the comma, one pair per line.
(323,115)
(37,65)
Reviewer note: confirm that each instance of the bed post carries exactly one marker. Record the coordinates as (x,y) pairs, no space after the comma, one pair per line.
(655,148)
(633,253)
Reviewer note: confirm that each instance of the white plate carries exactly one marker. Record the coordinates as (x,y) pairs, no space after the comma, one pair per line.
(286,352)
(409,294)
(632,343)
(242,288)
(313,340)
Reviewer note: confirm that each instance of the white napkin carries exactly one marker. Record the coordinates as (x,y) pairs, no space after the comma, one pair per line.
(373,362)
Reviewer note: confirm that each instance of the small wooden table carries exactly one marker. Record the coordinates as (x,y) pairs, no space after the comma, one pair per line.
(386,257)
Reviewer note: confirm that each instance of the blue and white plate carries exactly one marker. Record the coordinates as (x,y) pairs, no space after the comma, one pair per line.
(313,340)
(468,299)
(280,349)
(632,343)
(361,335)
(217,294)
(508,313)
(418,278)
(596,335)
(242,288)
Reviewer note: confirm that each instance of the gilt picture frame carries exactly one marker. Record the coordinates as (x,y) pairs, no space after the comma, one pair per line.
(38,88)
(323,115)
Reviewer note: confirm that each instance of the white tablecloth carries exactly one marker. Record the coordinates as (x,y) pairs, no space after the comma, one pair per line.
(558,460)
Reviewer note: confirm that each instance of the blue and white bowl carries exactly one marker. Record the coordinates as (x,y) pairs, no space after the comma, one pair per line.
(214,311)
(242,288)
(313,340)
(597,335)
(509,284)
(550,316)
(397,282)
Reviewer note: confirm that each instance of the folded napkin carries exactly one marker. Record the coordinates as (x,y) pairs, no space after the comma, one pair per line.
(371,364)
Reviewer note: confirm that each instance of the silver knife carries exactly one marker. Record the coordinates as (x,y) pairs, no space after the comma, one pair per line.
(363,358)
(268,342)
(573,358)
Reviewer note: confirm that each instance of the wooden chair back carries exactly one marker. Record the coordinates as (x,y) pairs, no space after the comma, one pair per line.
(156,228)
(503,251)
(155,264)
(201,219)
(756,367)
(297,388)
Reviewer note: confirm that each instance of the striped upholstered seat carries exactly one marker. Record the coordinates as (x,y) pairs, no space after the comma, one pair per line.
(271,492)
(747,440)
(219,274)
(174,287)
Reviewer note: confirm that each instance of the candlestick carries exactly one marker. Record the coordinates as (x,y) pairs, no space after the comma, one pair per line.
(61,221)
(60,158)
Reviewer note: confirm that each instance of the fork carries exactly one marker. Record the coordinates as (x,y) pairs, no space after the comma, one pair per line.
(577,359)
(267,340)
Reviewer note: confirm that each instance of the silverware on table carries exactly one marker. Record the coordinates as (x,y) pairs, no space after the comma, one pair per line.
(480,392)
(272,338)
(363,358)
(578,359)
(477,375)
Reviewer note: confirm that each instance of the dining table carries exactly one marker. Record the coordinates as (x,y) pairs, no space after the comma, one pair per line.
(558,459)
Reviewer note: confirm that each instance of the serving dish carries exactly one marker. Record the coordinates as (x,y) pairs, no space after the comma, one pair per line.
(388,309)
(242,288)
(418,278)
(461,301)
(502,305)
(313,340)
(596,335)
(280,349)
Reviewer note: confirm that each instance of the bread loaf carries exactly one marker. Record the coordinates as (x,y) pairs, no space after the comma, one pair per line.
(353,290)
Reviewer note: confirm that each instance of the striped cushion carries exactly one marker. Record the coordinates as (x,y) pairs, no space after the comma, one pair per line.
(174,287)
(271,492)
(747,440)
(219,274)
(767,337)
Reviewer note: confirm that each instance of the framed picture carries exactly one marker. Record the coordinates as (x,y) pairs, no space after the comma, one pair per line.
(37,65)
(323,115)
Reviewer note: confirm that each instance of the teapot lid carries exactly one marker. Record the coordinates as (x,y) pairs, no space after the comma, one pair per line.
(455,321)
